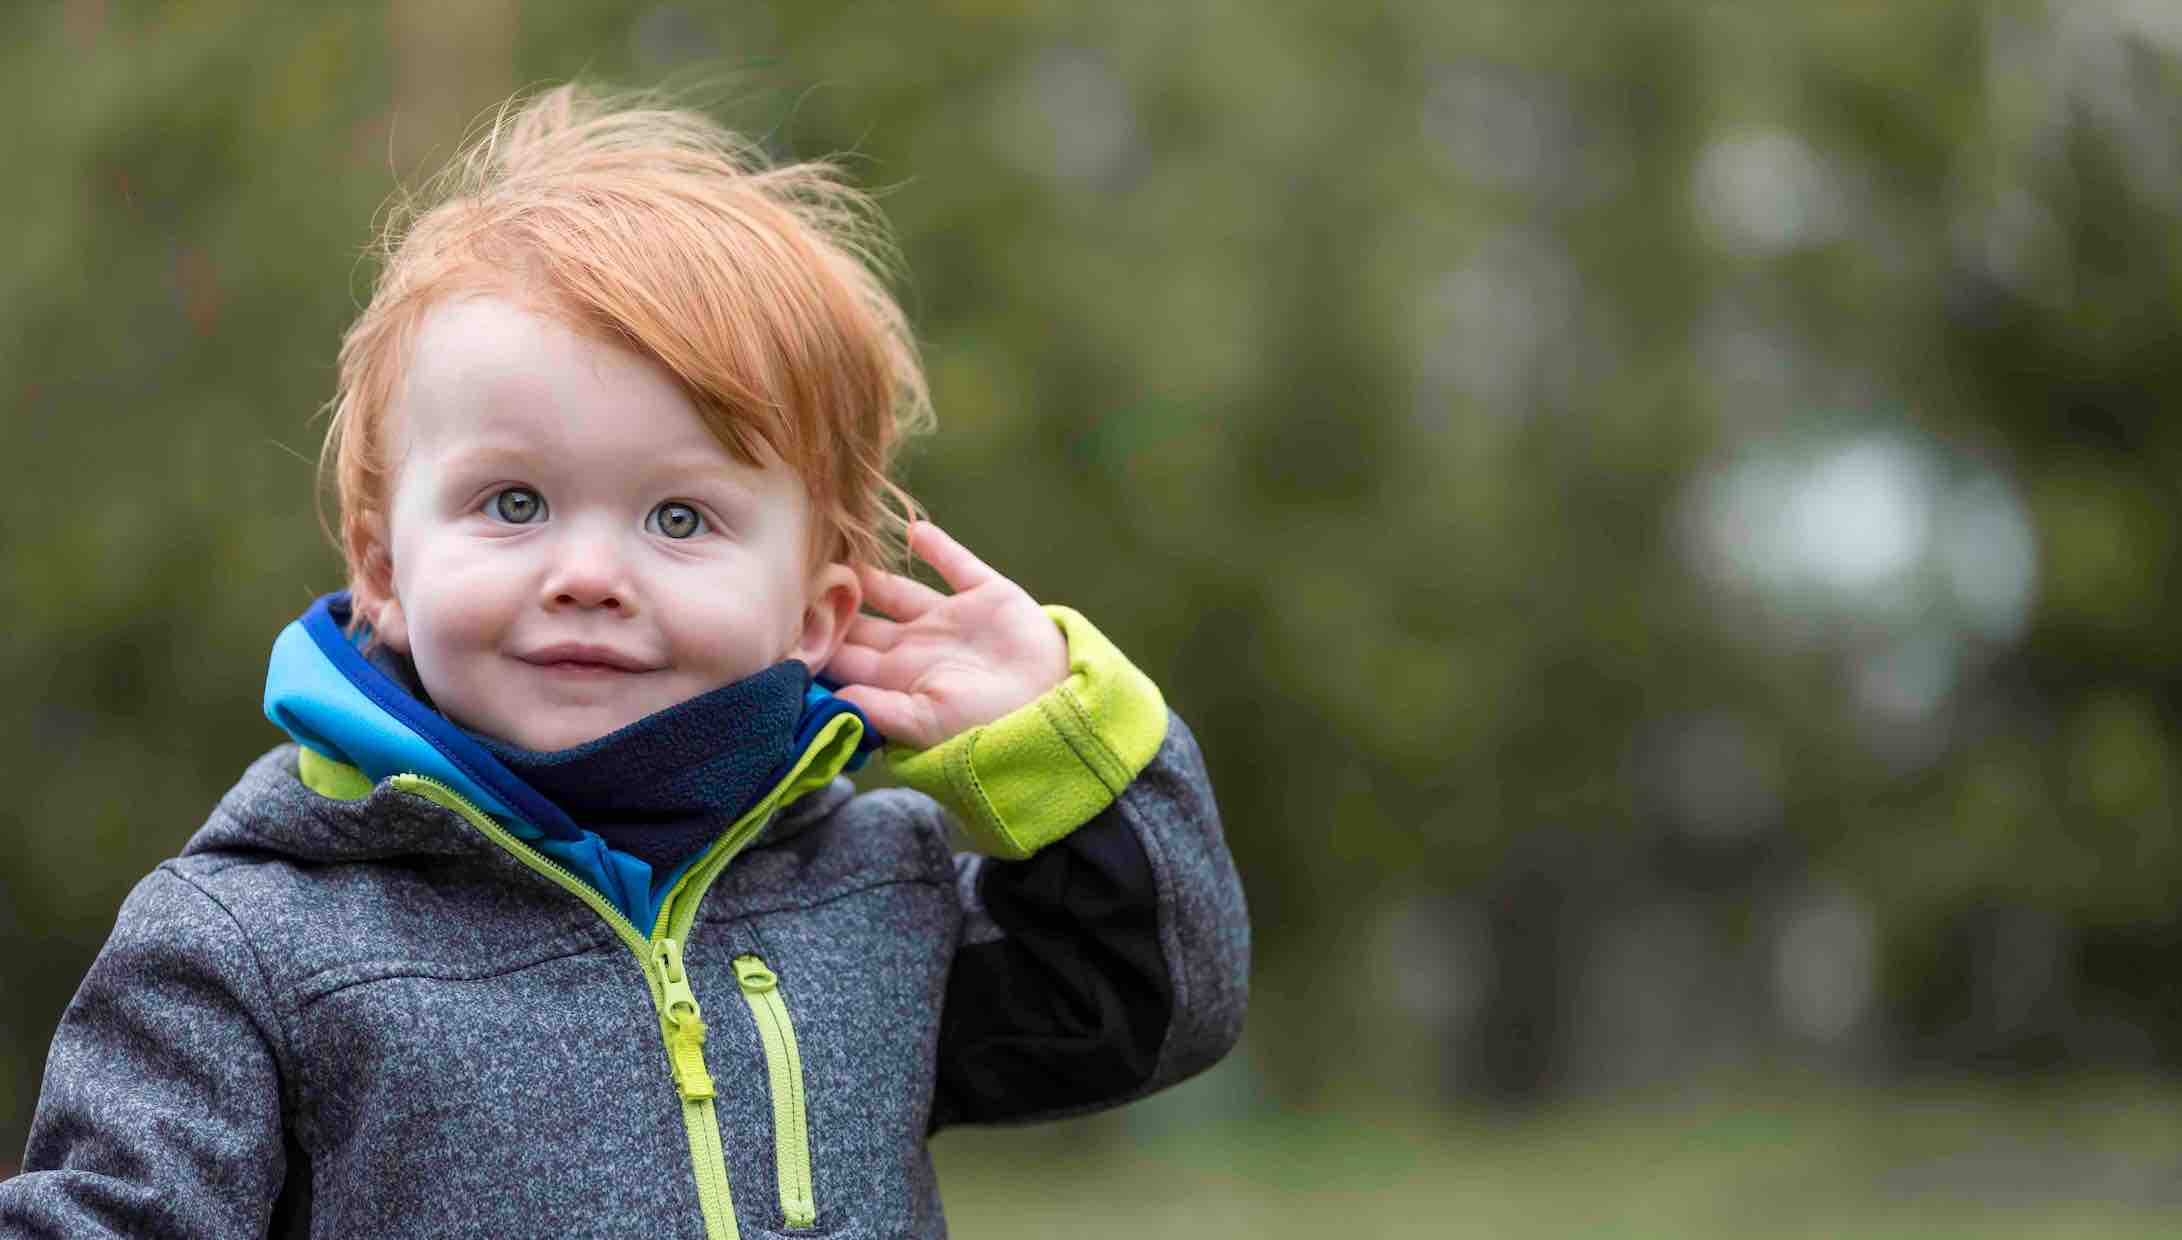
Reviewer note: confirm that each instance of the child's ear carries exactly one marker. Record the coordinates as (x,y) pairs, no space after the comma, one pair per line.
(371,594)
(834,596)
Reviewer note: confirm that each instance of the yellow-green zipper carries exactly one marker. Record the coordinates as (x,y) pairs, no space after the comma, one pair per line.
(683,1026)
(784,1069)
(681,1023)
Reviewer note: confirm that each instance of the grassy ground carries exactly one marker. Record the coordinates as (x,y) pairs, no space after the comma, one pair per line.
(1804,1159)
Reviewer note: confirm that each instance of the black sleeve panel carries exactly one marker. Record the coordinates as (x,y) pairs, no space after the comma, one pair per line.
(1069,1005)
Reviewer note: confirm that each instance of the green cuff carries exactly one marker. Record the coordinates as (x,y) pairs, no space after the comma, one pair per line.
(1032,776)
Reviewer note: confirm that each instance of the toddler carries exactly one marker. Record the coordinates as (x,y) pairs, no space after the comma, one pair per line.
(555,915)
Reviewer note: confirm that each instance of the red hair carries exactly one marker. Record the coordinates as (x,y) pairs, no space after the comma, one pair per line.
(760,288)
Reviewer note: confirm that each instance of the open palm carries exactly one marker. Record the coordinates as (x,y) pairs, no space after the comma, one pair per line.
(934,665)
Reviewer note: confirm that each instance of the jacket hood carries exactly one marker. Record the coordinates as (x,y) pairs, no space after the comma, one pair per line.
(329,698)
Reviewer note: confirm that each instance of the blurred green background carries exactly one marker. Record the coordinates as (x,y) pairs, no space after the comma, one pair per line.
(1660,514)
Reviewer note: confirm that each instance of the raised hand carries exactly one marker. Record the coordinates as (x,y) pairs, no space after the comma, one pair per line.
(933,665)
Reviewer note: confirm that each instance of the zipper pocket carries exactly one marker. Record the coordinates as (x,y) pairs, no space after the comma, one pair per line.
(784,1071)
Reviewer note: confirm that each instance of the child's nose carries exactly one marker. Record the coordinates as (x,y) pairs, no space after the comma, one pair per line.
(589,573)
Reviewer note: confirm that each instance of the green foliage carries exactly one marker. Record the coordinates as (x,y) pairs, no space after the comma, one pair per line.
(1355,366)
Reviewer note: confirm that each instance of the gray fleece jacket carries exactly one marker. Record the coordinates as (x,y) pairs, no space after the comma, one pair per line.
(358,1007)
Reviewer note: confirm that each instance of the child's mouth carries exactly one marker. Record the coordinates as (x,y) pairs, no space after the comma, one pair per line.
(574,667)
(571,659)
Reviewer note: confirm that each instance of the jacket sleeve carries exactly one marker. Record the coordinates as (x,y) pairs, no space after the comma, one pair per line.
(160,1115)
(1106,948)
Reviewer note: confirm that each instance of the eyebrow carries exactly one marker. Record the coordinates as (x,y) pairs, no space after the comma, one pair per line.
(491,453)
(678,467)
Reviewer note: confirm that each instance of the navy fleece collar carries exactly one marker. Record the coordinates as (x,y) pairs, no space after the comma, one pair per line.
(664,787)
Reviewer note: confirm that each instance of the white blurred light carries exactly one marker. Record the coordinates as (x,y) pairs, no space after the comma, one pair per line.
(1764,193)
(2109,79)
(1069,118)
(1742,523)
(2157,21)
(1490,320)
(1492,129)
(1855,522)
(1859,520)
(1439,954)
(1825,966)
(1990,556)
(1931,552)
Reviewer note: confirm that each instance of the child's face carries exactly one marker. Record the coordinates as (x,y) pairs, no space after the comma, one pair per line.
(571,549)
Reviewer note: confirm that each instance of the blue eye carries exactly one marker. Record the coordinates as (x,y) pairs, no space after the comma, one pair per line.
(518,505)
(677,520)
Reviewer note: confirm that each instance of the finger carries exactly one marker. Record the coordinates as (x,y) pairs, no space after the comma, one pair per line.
(899,717)
(896,595)
(957,567)
(859,665)
(873,632)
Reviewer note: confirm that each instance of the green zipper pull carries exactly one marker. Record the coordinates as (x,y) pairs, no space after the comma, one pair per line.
(685,1024)
(754,976)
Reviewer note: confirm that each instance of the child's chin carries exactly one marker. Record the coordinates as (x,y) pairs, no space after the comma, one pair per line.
(541,735)
(549,741)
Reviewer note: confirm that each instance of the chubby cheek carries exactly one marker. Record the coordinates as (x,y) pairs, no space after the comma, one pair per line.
(455,605)
(725,635)
(459,621)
